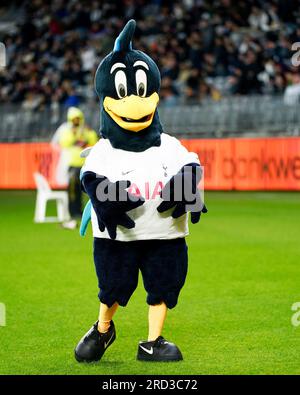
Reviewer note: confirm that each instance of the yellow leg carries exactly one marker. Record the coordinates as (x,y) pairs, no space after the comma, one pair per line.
(156,317)
(105,316)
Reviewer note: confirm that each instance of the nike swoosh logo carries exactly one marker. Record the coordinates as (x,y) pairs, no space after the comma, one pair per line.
(147,350)
(107,343)
(126,172)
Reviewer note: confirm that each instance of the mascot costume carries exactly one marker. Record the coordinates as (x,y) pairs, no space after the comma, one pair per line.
(138,221)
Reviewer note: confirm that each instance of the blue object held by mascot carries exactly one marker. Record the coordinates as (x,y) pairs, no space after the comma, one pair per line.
(138,218)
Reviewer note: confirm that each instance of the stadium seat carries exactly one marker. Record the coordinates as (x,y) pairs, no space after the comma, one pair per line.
(44,194)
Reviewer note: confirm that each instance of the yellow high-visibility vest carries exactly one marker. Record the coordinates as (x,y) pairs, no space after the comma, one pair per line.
(70,140)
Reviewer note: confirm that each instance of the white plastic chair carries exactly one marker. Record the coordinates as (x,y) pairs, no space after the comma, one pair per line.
(45,193)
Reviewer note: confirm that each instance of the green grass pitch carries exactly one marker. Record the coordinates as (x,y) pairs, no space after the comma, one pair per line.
(234,313)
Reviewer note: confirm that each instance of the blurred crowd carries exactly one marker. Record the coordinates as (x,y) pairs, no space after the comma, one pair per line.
(204,49)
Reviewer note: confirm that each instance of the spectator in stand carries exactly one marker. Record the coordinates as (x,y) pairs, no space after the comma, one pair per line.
(292,91)
(53,53)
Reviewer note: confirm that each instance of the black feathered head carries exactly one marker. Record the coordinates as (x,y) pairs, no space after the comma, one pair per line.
(127,82)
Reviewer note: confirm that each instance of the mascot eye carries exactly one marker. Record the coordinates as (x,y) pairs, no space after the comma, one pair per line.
(121,84)
(141,82)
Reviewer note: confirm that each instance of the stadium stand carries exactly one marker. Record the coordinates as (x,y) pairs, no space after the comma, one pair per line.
(226,65)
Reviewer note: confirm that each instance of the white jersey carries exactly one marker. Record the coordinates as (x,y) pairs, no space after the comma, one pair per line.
(148,171)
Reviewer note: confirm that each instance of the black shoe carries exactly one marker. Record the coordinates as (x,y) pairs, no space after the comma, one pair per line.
(93,344)
(159,350)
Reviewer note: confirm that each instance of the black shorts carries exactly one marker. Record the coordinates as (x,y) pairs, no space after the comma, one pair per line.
(163,264)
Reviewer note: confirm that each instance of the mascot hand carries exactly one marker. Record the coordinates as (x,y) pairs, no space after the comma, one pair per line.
(181,193)
(111,202)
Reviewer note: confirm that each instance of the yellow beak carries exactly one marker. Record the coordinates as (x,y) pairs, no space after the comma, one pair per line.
(133,112)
